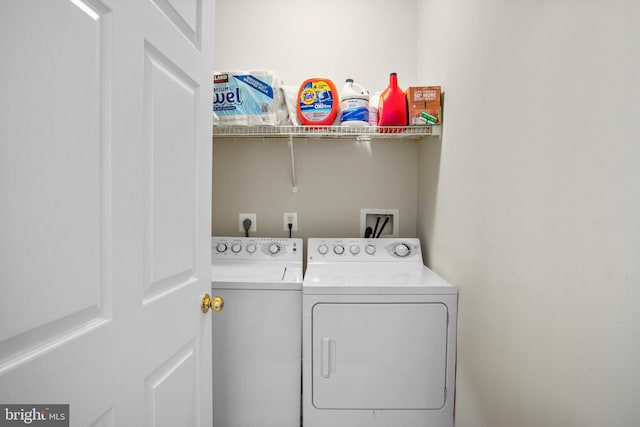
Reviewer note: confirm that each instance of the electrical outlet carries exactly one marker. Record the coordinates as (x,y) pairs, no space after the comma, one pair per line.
(250,216)
(290,218)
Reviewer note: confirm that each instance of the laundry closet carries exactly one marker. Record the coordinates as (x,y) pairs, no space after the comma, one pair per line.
(528,201)
(337,181)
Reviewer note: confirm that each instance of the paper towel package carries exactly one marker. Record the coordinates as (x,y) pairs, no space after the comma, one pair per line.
(248,98)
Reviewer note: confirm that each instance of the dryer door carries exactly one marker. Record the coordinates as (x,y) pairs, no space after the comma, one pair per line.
(379,355)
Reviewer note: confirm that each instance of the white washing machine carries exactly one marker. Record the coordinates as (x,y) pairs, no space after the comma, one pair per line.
(257,333)
(379,336)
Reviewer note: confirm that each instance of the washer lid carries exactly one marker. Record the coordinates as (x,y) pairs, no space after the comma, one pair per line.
(374,278)
(255,275)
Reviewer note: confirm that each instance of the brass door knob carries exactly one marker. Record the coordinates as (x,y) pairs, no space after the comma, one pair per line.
(206,303)
(216,303)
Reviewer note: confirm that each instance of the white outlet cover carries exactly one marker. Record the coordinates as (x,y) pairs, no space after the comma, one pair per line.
(285,220)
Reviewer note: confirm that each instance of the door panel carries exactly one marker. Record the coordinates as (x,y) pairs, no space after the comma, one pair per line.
(105,174)
(174,381)
(185,15)
(379,356)
(171,102)
(68,286)
(104,420)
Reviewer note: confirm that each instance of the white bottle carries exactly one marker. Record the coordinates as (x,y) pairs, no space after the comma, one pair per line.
(354,104)
(373,109)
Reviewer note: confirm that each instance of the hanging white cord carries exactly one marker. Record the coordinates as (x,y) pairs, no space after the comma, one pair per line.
(294,188)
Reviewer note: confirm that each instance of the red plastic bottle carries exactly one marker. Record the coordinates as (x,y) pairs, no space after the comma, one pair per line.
(392,107)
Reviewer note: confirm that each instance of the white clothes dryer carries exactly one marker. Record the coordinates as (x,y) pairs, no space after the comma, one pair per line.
(379,336)
(257,333)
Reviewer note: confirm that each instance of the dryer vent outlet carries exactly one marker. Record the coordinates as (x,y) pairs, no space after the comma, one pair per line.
(383,222)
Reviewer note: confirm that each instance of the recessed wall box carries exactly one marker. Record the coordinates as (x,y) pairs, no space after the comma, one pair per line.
(369,218)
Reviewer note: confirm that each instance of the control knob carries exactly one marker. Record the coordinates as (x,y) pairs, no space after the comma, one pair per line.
(274,249)
(221,247)
(402,250)
(236,247)
(323,249)
(338,249)
(371,249)
(354,249)
(251,248)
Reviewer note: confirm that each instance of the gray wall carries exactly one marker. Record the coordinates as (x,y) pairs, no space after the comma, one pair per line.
(531,204)
(335,179)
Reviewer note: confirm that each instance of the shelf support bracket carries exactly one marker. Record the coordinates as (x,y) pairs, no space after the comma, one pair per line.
(294,187)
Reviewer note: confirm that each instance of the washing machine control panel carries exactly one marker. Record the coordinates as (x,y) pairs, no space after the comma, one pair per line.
(256,248)
(345,250)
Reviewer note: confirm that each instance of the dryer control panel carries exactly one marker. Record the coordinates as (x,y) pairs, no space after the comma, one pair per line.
(256,248)
(364,250)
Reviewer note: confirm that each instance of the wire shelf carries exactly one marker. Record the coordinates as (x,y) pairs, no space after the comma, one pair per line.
(341,132)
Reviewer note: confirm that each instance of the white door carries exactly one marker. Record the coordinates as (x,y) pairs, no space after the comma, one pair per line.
(105,187)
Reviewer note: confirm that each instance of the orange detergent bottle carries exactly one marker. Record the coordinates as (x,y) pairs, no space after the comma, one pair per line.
(318,102)
(392,107)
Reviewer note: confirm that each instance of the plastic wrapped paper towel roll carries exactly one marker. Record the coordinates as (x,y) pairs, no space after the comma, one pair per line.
(248,98)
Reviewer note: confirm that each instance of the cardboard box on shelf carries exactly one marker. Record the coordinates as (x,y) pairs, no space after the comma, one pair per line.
(425,106)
